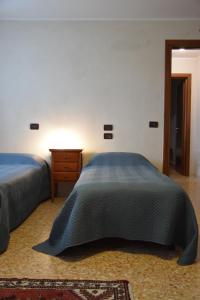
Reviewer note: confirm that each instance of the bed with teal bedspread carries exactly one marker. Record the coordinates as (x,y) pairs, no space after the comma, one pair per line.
(24,183)
(123,195)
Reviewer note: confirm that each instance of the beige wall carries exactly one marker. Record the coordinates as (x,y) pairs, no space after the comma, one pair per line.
(192,66)
(76,76)
(198,122)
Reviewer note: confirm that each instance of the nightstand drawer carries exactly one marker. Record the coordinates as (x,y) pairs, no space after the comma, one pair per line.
(65,176)
(65,156)
(68,166)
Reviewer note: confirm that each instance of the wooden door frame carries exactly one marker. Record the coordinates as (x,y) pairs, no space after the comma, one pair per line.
(186,121)
(169,45)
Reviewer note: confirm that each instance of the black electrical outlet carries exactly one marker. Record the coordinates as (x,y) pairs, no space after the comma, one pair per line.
(34,126)
(108,136)
(108,127)
(153,124)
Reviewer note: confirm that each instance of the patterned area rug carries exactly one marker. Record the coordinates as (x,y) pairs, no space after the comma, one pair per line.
(52,289)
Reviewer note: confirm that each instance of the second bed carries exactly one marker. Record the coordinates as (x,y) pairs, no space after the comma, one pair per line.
(122,195)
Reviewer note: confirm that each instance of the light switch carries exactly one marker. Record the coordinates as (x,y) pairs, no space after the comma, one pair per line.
(108,127)
(153,124)
(34,126)
(108,136)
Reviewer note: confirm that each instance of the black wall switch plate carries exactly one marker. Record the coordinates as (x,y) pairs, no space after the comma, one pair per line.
(108,136)
(34,126)
(153,124)
(108,127)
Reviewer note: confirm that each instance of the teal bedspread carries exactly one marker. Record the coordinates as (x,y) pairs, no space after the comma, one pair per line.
(123,195)
(24,183)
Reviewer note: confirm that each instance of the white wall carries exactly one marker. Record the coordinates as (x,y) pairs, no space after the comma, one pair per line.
(190,65)
(77,76)
(198,120)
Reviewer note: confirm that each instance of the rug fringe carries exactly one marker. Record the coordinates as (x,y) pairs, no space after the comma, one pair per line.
(130,289)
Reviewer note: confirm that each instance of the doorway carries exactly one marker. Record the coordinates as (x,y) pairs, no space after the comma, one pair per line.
(180,123)
(169,46)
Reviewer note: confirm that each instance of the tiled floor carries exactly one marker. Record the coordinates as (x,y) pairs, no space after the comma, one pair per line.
(152,270)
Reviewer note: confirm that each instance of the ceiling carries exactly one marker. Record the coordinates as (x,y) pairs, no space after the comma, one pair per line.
(99,9)
(187,53)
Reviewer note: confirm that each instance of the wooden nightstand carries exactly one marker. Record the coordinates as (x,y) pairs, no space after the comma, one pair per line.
(66,166)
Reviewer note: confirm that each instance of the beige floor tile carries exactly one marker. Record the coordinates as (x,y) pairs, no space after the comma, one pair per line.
(151,269)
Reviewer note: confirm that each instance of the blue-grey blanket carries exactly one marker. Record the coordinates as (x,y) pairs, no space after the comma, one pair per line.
(123,195)
(24,183)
